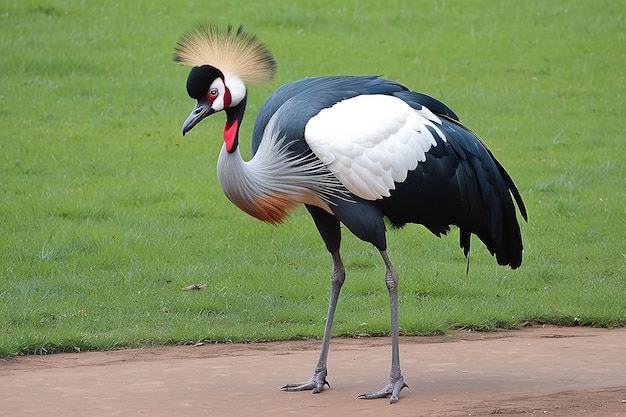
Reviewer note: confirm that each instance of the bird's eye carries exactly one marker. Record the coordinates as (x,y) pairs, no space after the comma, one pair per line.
(213,92)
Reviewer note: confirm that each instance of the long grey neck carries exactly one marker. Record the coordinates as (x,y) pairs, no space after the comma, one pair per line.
(238,183)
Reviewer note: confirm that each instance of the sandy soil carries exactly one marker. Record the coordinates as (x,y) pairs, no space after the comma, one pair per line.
(546,371)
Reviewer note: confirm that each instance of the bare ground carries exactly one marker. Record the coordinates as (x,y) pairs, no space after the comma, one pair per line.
(547,371)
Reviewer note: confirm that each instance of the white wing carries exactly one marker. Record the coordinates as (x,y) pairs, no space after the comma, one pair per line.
(371,141)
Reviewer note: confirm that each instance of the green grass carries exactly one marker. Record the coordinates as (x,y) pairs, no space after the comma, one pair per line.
(106,212)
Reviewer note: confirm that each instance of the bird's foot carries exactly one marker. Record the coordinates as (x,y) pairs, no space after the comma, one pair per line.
(393,388)
(315,384)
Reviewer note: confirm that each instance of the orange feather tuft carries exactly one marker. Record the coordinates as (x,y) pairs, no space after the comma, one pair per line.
(272,208)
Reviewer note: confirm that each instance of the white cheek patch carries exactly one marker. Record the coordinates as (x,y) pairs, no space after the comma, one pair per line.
(236,87)
(217,102)
(370,142)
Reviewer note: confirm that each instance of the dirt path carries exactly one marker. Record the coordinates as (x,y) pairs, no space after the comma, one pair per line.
(546,371)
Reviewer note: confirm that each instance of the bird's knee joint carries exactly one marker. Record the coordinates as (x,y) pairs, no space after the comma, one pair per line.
(337,279)
(391,280)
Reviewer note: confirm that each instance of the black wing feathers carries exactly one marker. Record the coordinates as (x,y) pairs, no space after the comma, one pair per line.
(461,183)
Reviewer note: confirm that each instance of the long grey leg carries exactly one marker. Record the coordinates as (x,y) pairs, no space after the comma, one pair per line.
(318,380)
(396,381)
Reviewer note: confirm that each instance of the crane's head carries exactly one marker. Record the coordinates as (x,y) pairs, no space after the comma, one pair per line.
(213,92)
(222,62)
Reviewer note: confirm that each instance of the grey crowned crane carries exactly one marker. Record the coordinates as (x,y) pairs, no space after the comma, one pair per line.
(354,150)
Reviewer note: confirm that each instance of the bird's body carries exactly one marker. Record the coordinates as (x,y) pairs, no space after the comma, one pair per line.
(356,150)
(436,173)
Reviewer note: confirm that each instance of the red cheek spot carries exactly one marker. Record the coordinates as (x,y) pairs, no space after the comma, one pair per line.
(227,98)
(230,135)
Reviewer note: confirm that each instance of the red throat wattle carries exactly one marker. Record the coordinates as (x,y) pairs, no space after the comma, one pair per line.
(230,135)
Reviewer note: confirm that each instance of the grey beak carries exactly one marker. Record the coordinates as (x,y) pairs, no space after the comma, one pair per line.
(201,110)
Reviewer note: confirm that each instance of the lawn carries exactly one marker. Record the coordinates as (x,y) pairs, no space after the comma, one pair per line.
(107,212)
